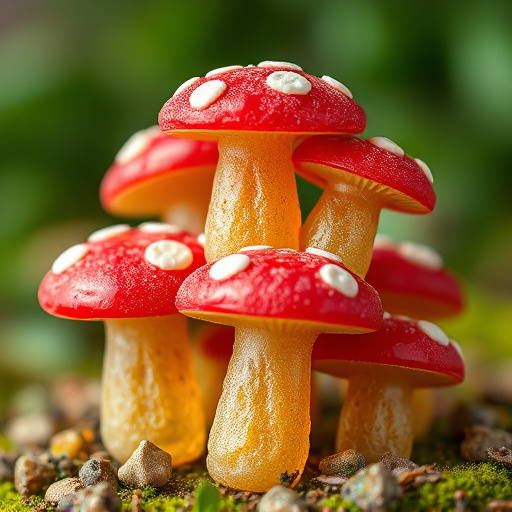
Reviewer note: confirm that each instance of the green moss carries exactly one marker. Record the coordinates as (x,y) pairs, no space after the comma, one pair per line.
(481,482)
(337,502)
(10,500)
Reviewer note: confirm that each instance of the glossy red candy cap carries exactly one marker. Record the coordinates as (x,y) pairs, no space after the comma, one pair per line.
(308,288)
(121,272)
(377,165)
(419,352)
(269,97)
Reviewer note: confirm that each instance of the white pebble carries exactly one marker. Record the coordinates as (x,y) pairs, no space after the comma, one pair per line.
(426,169)
(69,257)
(184,85)
(288,82)
(325,254)
(229,266)
(337,85)
(278,64)
(339,279)
(420,255)
(169,255)
(206,94)
(137,144)
(433,331)
(108,232)
(389,145)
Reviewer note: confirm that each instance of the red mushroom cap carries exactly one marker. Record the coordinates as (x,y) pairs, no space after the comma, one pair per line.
(270,97)
(121,272)
(281,284)
(411,280)
(146,170)
(404,183)
(417,350)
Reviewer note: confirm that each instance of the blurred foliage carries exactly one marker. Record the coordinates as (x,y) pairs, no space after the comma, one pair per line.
(78,78)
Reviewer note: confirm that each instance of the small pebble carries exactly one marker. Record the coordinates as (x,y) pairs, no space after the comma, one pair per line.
(104,455)
(30,430)
(345,464)
(331,480)
(372,488)
(97,498)
(396,464)
(71,443)
(419,476)
(500,505)
(468,415)
(63,488)
(7,461)
(479,439)
(95,471)
(31,475)
(280,499)
(148,465)
(501,455)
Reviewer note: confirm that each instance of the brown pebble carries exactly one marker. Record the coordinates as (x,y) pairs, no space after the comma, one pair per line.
(500,505)
(97,498)
(479,439)
(95,471)
(280,499)
(331,480)
(63,488)
(31,475)
(344,464)
(396,464)
(502,455)
(148,465)
(7,461)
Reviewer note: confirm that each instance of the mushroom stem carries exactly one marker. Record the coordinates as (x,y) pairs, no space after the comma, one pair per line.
(254,198)
(260,435)
(150,390)
(344,221)
(376,415)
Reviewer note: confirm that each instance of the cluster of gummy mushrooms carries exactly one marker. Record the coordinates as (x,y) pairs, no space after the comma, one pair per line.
(282,297)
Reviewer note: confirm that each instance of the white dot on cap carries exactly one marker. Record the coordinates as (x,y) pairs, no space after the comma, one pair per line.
(201,239)
(219,71)
(337,85)
(206,94)
(420,255)
(386,315)
(69,257)
(159,227)
(229,266)
(137,144)
(339,279)
(385,143)
(254,248)
(169,255)
(278,64)
(383,241)
(184,85)
(426,169)
(288,82)
(433,331)
(325,254)
(108,232)
(457,348)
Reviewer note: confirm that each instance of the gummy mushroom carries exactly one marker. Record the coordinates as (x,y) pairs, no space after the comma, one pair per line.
(157,175)
(128,277)
(256,113)
(360,177)
(278,300)
(383,367)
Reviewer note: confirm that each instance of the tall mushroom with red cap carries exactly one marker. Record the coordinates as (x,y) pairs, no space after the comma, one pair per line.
(278,300)
(128,277)
(157,175)
(256,113)
(383,368)
(360,178)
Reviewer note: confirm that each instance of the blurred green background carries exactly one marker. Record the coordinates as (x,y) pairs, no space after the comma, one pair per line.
(78,77)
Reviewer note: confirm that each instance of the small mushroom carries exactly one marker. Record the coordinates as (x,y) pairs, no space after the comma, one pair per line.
(256,113)
(128,277)
(278,300)
(157,175)
(383,368)
(360,178)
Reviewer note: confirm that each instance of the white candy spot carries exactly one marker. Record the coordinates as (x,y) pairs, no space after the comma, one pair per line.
(108,232)
(169,255)
(229,266)
(386,315)
(219,71)
(201,239)
(426,169)
(254,248)
(206,94)
(402,318)
(420,255)
(383,241)
(337,85)
(288,82)
(385,143)
(69,257)
(137,144)
(433,331)
(159,227)
(457,348)
(184,85)
(339,279)
(278,64)
(325,254)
